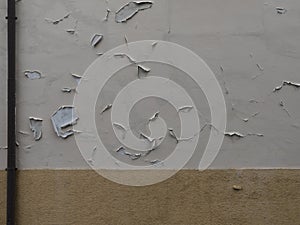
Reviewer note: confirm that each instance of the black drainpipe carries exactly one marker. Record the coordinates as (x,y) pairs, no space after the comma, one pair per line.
(11,112)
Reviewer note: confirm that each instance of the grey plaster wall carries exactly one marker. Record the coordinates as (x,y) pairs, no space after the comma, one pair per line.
(256,47)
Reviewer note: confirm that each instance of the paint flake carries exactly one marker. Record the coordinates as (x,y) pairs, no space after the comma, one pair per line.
(154,117)
(107,15)
(234,134)
(286,83)
(156,143)
(68,90)
(129,10)
(36,125)
(154,44)
(290,83)
(143,71)
(133,156)
(33,75)
(96,39)
(185,109)
(120,128)
(149,139)
(281,10)
(76,77)
(154,161)
(126,39)
(106,108)
(55,22)
(278,88)
(64,117)
(172,134)
(123,55)
(120,149)
(71,31)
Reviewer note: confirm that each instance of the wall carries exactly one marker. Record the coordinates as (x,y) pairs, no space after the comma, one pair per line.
(269,197)
(250,48)
(235,35)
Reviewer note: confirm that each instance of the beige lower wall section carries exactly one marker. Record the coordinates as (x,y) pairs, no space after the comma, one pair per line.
(190,197)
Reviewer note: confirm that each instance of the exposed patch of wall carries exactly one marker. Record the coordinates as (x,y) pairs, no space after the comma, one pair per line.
(267,197)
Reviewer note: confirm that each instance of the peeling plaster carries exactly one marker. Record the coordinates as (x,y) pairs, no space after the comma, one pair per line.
(71,31)
(185,109)
(96,39)
(286,83)
(281,10)
(144,136)
(154,161)
(126,39)
(36,125)
(107,15)
(234,134)
(68,90)
(106,108)
(143,71)
(154,44)
(130,9)
(33,75)
(280,62)
(76,77)
(156,143)
(57,21)
(154,117)
(64,117)
(121,128)
(132,156)
(123,55)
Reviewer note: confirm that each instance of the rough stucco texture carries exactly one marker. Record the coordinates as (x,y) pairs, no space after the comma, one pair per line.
(268,197)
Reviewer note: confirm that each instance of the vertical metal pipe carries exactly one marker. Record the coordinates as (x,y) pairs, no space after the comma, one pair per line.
(11,111)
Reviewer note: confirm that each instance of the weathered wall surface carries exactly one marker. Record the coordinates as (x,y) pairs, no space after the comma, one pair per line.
(256,47)
(268,197)
(250,48)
